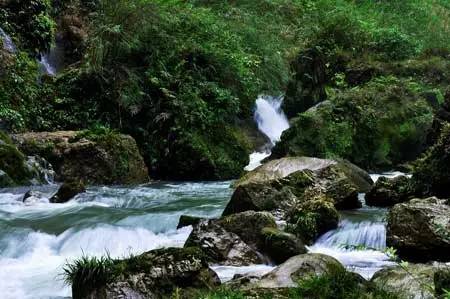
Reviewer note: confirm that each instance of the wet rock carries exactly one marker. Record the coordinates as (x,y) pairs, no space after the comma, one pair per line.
(389,191)
(107,158)
(221,246)
(41,170)
(313,218)
(186,220)
(282,184)
(32,197)
(414,281)
(280,246)
(154,274)
(420,229)
(298,267)
(248,226)
(67,191)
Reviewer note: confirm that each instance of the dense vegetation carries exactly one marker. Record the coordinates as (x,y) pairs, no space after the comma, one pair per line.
(182,76)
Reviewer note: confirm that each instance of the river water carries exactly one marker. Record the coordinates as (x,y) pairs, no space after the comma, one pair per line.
(37,239)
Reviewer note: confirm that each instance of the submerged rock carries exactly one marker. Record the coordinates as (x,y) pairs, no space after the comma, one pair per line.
(414,281)
(67,191)
(154,274)
(420,229)
(389,191)
(32,197)
(108,158)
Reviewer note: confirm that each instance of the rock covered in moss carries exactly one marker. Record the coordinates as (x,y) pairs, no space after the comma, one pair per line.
(282,184)
(307,87)
(420,229)
(248,225)
(301,266)
(411,281)
(380,124)
(154,274)
(103,158)
(441,118)
(14,170)
(67,191)
(431,176)
(313,218)
(389,191)
(280,246)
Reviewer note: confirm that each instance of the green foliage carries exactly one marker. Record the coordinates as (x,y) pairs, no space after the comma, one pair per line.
(87,273)
(12,161)
(31,21)
(375,125)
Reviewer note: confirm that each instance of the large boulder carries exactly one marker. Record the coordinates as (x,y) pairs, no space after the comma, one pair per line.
(103,158)
(154,274)
(280,246)
(282,184)
(420,229)
(380,124)
(412,281)
(243,239)
(313,218)
(16,168)
(390,191)
(221,246)
(298,267)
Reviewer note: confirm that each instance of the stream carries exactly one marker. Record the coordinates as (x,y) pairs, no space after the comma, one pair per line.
(36,240)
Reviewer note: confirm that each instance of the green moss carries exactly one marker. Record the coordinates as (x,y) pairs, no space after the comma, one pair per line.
(378,125)
(12,161)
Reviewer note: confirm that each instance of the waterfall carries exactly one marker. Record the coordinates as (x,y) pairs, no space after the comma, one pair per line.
(45,65)
(272,122)
(8,44)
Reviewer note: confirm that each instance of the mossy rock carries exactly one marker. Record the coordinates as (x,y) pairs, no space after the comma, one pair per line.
(378,125)
(313,218)
(389,191)
(431,176)
(280,246)
(12,163)
(94,157)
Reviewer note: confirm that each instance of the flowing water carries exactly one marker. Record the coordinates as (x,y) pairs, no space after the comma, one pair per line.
(37,239)
(272,122)
(8,44)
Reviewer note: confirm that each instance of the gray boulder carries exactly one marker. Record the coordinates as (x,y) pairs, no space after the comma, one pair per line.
(420,229)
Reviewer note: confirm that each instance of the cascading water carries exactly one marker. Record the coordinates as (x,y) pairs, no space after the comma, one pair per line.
(46,66)
(272,122)
(8,44)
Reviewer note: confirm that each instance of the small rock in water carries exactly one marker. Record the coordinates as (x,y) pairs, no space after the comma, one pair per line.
(32,197)
(186,220)
(67,191)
